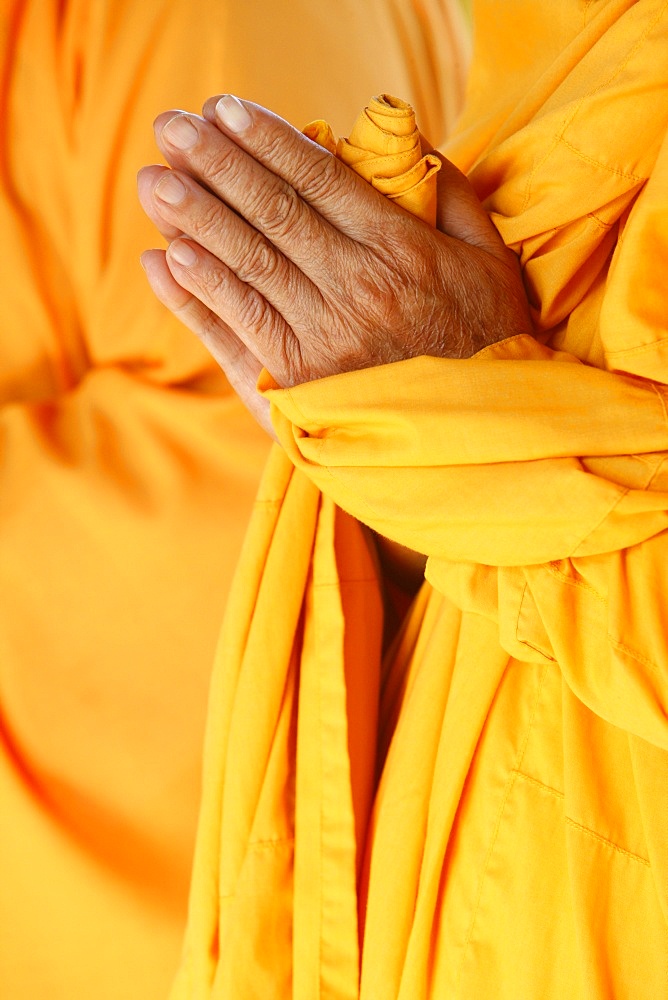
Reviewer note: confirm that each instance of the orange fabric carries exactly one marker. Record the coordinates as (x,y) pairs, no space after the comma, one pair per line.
(128,467)
(498,824)
(384,148)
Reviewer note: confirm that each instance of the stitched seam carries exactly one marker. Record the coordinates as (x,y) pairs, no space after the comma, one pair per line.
(628,351)
(656,473)
(580,585)
(525,642)
(580,826)
(597,163)
(616,71)
(608,843)
(537,165)
(539,784)
(639,657)
(531,720)
(506,340)
(569,120)
(604,225)
(536,649)
(509,786)
(585,12)
(607,513)
(519,612)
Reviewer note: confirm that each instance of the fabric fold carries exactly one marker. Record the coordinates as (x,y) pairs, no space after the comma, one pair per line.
(506,470)
(283,800)
(384,148)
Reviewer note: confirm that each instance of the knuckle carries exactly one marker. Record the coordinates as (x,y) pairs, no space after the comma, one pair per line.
(259,263)
(321,178)
(254,311)
(278,211)
(216,162)
(215,284)
(274,146)
(209,222)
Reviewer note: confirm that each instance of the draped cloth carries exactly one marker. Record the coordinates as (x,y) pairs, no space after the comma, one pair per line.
(129,467)
(483,811)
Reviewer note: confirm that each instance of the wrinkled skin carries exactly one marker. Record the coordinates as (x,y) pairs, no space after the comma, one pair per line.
(301,267)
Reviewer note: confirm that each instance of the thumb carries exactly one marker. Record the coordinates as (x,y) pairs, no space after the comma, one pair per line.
(459,213)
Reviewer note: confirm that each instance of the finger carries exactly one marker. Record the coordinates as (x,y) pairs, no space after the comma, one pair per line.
(257,193)
(241,308)
(326,184)
(147,178)
(459,213)
(241,367)
(317,175)
(185,206)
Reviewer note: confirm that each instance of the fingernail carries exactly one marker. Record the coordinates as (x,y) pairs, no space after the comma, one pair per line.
(233,114)
(180,132)
(182,253)
(170,189)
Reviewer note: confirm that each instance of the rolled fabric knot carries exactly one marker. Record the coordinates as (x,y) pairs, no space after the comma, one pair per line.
(384,148)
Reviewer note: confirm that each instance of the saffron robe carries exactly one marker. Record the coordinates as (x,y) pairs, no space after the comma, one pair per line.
(128,467)
(483,812)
